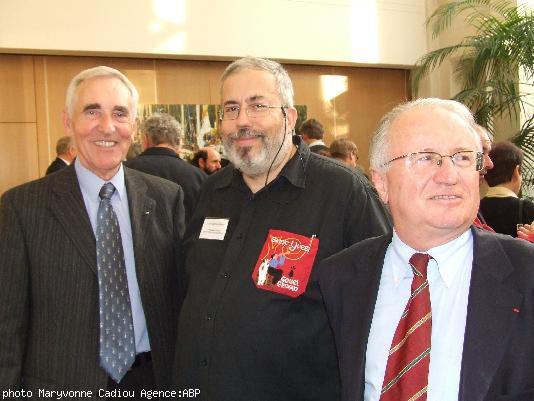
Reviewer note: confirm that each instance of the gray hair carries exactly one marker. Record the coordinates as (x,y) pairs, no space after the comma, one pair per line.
(100,71)
(484,132)
(162,128)
(283,82)
(63,144)
(379,149)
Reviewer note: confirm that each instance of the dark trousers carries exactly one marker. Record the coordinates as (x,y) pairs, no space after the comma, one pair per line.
(139,377)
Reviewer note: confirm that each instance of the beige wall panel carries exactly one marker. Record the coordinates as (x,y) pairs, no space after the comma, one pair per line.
(309,91)
(18,154)
(45,139)
(348,100)
(188,82)
(17,98)
(371,93)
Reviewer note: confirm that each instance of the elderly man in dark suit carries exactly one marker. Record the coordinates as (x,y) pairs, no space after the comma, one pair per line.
(88,261)
(66,153)
(439,310)
(161,140)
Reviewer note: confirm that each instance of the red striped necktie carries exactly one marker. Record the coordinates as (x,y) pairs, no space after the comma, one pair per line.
(406,377)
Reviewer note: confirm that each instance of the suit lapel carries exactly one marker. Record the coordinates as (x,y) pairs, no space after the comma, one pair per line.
(68,207)
(141,207)
(359,299)
(490,317)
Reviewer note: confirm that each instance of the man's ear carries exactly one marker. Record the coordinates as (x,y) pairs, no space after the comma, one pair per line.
(380,182)
(67,122)
(202,163)
(516,175)
(291,115)
(146,142)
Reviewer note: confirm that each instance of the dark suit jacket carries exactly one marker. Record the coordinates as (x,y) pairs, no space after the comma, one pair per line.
(56,165)
(49,319)
(502,213)
(498,353)
(318,148)
(165,163)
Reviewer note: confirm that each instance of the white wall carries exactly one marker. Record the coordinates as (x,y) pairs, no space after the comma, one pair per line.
(383,32)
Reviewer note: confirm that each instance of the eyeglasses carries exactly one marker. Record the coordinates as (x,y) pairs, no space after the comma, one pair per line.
(424,161)
(253,110)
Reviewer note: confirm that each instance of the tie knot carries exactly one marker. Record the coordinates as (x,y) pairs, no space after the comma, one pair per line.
(419,264)
(106,191)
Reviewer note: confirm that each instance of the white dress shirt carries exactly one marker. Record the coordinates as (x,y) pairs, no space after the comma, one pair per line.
(90,185)
(449,276)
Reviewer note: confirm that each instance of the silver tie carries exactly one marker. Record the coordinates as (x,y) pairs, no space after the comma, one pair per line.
(117,341)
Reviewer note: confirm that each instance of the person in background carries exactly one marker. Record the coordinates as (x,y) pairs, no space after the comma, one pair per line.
(439,310)
(346,152)
(207,159)
(312,133)
(66,153)
(135,149)
(161,140)
(253,324)
(486,141)
(89,260)
(501,207)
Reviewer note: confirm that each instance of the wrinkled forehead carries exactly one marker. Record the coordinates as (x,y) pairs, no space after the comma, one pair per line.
(249,86)
(103,90)
(432,128)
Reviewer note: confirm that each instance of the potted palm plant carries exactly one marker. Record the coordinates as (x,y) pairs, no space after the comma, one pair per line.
(490,64)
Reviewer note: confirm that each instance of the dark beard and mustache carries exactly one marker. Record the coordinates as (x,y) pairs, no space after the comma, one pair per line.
(253,165)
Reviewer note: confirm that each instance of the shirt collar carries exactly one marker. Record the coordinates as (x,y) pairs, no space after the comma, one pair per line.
(91,184)
(316,142)
(500,192)
(440,256)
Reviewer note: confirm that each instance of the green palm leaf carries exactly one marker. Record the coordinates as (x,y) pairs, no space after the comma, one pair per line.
(488,65)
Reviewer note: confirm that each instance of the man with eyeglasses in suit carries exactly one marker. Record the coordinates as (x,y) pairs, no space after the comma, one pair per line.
(253,324)
(458,326)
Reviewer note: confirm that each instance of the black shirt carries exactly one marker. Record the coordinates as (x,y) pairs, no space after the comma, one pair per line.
(237,342)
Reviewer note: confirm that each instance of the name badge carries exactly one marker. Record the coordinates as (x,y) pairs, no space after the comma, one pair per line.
(285,263)
(213,229)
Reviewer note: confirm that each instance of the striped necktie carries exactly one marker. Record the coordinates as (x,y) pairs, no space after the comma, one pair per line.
(406,377)
(117,347)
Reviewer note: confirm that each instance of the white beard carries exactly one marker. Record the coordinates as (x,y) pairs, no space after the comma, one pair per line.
(258,164)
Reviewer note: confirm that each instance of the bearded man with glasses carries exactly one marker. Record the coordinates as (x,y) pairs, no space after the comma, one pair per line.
(253,324)
(440,310)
